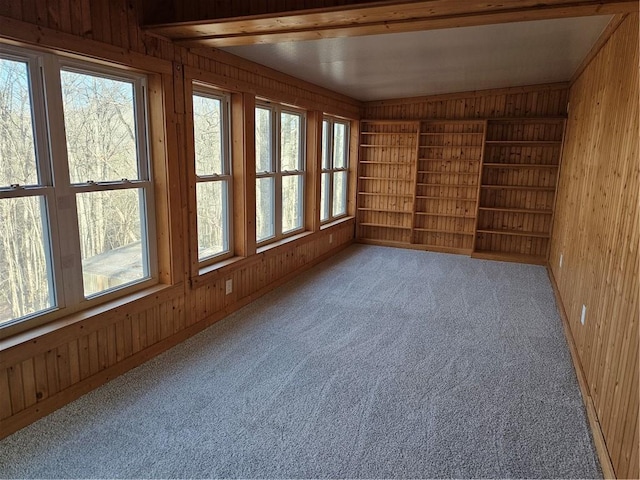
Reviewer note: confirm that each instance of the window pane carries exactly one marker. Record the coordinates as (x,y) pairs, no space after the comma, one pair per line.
(112,242)
(324,197)
(265,201)
(326,159)
(100,125)
(207,135)
(290,142)
(339,193)
(339,142)
(291,203)
(213,226)
(263,140)
(25,284)
(17,148)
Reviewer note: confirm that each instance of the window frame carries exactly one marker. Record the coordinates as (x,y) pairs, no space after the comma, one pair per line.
(328,144)
(277,173)
(204,90)
(60,196)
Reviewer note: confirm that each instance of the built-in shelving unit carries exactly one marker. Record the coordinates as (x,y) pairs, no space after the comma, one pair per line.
(517,193)
(480,187)
(449,158)
(386,179)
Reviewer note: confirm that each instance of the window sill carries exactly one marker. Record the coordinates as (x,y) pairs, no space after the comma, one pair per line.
(282,241)
(57,326)
(339,221)
(218,265)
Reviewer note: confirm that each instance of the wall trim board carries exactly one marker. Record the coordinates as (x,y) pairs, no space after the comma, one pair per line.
(602,40)
(413,246)
(469,94)
(41,409)
(596,429)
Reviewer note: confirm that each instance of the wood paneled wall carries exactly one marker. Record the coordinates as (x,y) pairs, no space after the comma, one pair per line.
(48,367)
(533,101)
(596,233)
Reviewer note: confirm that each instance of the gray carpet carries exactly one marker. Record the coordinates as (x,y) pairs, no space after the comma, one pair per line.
(378,363)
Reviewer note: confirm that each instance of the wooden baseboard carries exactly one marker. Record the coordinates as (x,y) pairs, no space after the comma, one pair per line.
(510,257)
(414,246)
(41,409)
(596,430)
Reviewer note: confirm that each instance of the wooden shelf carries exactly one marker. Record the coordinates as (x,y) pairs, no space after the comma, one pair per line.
(516,120)
(368,145)
(450,133)
(540,143)
(517,165)
(451,146)
(447,215)
(387,179)
(407,134)
(381,225)
(368,162)
(383,210)
(374,121)
(509,257)
(449,232)
(517,233)
(453,185)
(516,210)
(430,197)
(431,172)
(518,187)
(379,194)
(449,159)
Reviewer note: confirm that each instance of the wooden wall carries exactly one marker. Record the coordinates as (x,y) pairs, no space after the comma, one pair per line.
(49,366)
(596,232)
(534,101)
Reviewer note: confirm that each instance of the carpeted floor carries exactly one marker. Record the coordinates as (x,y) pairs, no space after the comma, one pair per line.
(378,363)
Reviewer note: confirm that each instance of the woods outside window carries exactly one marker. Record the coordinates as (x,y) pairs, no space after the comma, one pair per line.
(280,133)
(76,196)
(335,168)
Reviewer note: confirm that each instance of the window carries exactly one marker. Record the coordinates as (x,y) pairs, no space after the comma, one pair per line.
(335,165)
(213,175)
(279,172)
(75,187)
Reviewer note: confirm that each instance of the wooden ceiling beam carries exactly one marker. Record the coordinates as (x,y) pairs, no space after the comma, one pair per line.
(378,18)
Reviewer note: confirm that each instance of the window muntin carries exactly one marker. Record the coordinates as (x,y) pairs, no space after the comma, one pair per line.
(98,156)
(213,175)
(279,172)
(335,169)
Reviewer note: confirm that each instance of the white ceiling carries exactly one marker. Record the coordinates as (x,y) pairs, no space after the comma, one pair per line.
(412,64)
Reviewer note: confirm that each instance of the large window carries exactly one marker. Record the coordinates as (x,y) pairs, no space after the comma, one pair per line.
(213,175)
(75,187)
(335,169)
(279,172)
